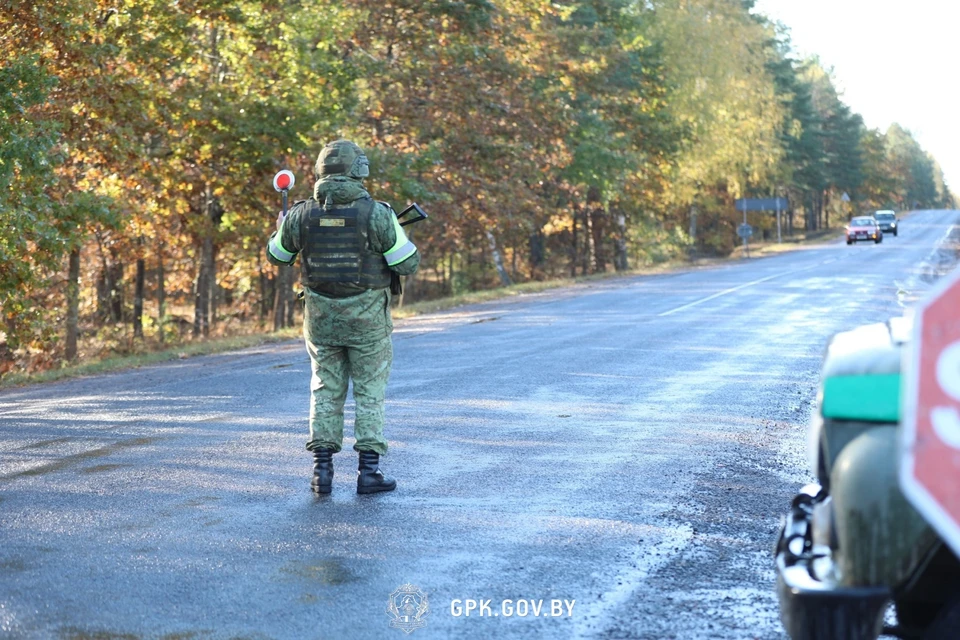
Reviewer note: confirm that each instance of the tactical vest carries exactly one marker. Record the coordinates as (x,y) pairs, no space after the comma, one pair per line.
(336,259)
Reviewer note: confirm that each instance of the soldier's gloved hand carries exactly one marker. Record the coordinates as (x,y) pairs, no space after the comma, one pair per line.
(279,219)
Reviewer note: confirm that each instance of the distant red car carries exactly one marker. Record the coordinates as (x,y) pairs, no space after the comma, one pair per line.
(864,228)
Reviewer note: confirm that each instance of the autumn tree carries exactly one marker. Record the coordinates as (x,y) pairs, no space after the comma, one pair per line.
(138,138)
(724,96)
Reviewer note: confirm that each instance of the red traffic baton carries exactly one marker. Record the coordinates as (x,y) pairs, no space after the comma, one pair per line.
(283,182)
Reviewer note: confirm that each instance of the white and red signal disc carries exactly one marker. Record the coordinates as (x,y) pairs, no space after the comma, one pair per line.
(284,180)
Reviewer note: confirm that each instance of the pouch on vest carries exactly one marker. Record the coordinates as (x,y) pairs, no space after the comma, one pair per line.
(336,248)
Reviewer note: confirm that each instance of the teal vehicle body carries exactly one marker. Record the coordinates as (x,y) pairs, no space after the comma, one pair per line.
(852,544)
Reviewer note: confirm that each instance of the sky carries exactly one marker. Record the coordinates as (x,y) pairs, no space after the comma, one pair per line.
(893,61)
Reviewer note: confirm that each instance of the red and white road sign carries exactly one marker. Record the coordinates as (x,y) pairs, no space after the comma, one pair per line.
(930,457)
(284,180)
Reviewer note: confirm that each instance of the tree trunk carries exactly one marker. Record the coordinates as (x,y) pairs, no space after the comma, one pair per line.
(138,294)
(599,228)
(820,210)
(440,268)
(73,304)
(450,264)
(537,253)
(826,209)
(115,284)
(596,225)
(103,299)
(215,290)
(279,304)
(206,274)
(161,293)
(589,253)
(282,295)
(621,260)
(410,288)
(201,290)
(573,246)
(212,213)
(266,293)
(109,294)
(291,300)
(482,271)
(498,259)
(586,251)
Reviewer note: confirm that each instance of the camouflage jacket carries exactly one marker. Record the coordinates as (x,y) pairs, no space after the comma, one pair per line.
(361,317)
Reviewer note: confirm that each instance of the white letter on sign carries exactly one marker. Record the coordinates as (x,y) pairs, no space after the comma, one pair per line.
(946,420)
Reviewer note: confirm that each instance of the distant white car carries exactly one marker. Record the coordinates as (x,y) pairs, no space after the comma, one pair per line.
(887,220)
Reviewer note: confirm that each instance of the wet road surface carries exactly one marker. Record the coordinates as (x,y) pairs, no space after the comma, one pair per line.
(628,445)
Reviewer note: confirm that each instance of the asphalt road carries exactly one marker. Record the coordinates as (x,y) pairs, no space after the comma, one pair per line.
(629,445)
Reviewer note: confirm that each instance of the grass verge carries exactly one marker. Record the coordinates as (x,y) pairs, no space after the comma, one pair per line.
(791,243)
(132,361)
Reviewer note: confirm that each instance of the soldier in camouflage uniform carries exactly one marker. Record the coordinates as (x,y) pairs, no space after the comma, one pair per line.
(349,245)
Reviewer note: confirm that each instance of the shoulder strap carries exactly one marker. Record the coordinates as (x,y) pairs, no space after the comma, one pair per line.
(310,205)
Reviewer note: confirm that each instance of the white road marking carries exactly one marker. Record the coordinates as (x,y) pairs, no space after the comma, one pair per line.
(741,286)
(645,560)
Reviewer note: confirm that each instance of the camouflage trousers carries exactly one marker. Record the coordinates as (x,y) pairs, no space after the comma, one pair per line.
(368,365)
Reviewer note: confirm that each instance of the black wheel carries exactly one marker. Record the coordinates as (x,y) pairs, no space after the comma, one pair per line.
(895,231)
(947,622)
(878,240)
(849,241)
(913,618)
(930,608)
(823,474)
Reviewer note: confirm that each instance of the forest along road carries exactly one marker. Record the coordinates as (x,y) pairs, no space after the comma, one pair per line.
(628,445)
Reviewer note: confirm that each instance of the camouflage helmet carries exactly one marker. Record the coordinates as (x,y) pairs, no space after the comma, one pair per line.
(342,158)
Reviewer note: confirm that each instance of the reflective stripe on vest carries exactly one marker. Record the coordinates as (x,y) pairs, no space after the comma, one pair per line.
(277,251)
(401,249)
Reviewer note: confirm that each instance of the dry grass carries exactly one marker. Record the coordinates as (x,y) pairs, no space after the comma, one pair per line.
(791,243)
(179,352)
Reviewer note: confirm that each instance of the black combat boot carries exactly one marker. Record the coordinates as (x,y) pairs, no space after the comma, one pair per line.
(369,477)
(322,471)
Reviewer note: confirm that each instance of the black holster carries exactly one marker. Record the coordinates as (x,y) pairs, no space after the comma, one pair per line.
(396,288)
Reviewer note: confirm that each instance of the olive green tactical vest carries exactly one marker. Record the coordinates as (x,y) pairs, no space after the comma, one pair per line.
(336,259)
